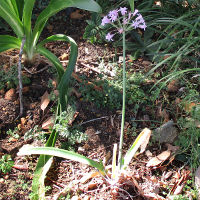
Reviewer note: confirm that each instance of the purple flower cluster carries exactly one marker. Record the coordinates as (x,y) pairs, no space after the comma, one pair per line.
(127,22)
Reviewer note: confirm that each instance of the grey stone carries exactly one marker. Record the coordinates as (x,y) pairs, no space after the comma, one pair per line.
(166,133)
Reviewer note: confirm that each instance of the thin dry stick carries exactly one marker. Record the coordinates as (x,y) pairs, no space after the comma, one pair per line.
(20,76)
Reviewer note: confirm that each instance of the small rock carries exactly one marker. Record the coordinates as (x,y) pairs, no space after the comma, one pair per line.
(166,133)
(10,95)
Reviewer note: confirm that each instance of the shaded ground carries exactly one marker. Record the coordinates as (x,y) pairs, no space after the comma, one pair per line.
(101,125)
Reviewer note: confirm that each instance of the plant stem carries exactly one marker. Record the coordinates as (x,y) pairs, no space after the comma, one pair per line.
(20,76)
(123,104)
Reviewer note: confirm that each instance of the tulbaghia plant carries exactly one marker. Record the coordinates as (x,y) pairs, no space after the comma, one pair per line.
(122,20)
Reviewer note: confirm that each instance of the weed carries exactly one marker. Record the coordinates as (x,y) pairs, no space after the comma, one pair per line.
(10,78)
(13,133)
(111,94)
(6,163)
(72,134)
(189,138)
(35,133)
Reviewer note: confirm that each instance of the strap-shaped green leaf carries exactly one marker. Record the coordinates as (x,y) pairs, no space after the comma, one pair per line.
(27,15)
(63,77)
(53,59)
(52,151)
(131,3)
(8,14)
(9,42)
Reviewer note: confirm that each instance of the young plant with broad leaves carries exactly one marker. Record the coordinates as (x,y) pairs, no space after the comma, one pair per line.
(18,14)
(122,21)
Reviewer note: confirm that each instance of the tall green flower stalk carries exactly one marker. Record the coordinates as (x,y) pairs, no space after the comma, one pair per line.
(123,21)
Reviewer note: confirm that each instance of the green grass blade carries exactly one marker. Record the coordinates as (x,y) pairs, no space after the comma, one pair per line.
(52,151)
(9,42)
(137,143)
(11,18)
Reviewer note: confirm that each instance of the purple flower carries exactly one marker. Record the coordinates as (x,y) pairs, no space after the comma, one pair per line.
(105,20)
(135,12)
(109,37)
(120,30)
(123,10)
(125,21)
(142,26)
(139,19)
(113,15)
(135,24)
(139,22)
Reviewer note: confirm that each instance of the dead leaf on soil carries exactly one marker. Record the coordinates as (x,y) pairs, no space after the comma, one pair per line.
(48,123)
(76,15)
(188,106)
(163,113)
(179,189)
(10,95)
(44,101)
(145,142)
(172,148)
(157,160)
(89,176)
(173,86)
(50,28)
(64,56)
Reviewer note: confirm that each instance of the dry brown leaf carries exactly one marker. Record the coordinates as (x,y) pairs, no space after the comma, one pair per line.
(64,56)
(23,122)
(173,86)
(25,89)
(157,160)
(89,176)
(11,95)
(172,148)
(48,123)
(179,189)
(188,106)
(50,28)
(92,185)
(145,142)
(45,101)
(76,15)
